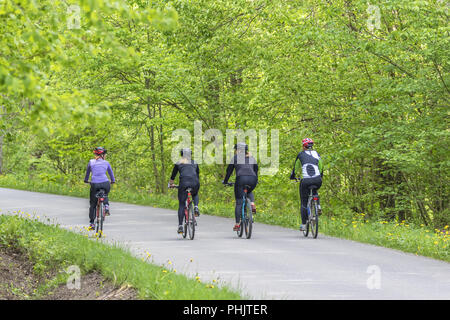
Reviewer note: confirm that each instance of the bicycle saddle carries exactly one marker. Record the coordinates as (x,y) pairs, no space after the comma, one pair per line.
(100,193)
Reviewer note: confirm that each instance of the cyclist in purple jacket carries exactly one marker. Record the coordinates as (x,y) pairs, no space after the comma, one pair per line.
(98,167)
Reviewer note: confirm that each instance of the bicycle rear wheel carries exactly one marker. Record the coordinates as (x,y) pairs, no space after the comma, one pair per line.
(248,220)
(191,222)
(185,224)
(100,219)
(240,231)
(314,221)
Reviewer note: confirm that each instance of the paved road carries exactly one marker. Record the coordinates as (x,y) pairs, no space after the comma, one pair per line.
(277,263)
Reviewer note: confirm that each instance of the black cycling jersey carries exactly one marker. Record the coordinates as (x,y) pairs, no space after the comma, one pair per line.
(188,171)
(244,167)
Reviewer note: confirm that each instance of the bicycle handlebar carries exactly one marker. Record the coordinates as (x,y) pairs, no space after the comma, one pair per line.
(229,184)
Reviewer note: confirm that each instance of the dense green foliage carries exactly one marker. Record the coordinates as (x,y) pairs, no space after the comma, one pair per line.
(375,99)
(53,249)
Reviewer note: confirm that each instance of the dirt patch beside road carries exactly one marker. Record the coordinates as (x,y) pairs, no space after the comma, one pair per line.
(18,281)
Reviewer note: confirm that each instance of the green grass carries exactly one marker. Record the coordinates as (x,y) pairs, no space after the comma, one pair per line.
(52,248)
(416,239)
(402,236)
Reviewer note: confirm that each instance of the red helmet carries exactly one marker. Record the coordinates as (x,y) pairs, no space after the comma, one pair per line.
(307,142)
(100,151)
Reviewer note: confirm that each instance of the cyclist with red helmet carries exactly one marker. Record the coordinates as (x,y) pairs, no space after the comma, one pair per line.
(308,167)
(98,167)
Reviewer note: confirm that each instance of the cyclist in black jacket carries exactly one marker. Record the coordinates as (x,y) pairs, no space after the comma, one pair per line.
(246,174)
(189,178)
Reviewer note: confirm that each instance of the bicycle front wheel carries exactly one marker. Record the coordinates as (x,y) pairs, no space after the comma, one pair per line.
(191,222)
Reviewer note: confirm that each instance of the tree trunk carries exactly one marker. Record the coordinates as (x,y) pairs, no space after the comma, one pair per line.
(161,146)
(1,154)
(151,131)
(151,134)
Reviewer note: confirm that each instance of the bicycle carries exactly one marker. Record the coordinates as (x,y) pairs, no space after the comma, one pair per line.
(313,215)
(189,222)
(100,212)
(246,219)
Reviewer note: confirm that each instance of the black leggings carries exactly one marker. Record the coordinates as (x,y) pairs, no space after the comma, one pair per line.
(95,187)
(239,185)
(304,194)
(182,196)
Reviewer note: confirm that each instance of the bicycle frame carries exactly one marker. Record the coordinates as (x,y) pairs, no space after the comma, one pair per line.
(186,206)
(101,199)
(187,219)
(99,202)
(246,219)
(244,203)
(311,223)
(313,219)
(311,198)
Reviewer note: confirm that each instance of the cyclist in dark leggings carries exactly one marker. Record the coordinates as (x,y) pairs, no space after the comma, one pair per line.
(309,167)
(189,178)
(99,167)
(246,174)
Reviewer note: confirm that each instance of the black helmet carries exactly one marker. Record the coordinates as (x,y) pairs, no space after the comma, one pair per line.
(241,146)
(100,151)
(185,152)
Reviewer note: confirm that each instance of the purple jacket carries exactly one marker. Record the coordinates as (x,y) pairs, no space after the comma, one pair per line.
(99,168)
